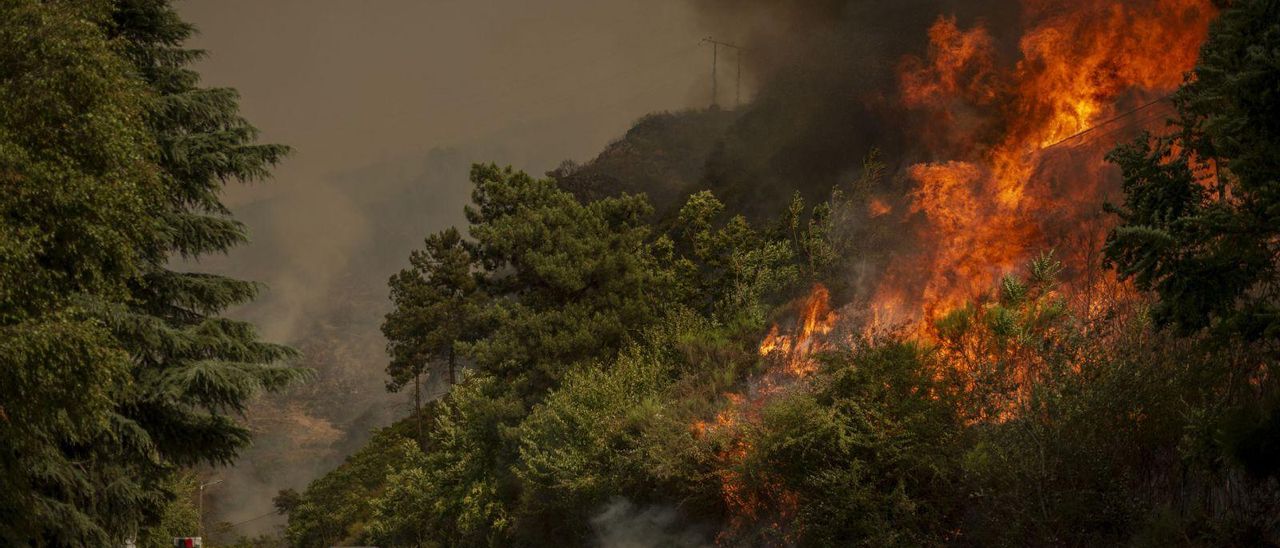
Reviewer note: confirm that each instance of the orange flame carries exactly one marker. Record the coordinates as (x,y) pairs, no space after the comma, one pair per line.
(988,198)
(797,350)
(988,208)
(792,358)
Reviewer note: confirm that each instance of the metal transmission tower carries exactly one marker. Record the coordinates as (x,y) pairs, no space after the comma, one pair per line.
(715,60)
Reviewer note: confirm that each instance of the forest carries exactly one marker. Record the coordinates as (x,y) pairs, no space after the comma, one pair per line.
(1004,285)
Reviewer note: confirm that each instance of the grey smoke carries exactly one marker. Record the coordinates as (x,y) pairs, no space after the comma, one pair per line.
(622,524)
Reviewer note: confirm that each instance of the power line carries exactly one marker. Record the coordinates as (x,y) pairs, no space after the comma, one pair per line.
(1112,120)
(1141,121)
(239,523)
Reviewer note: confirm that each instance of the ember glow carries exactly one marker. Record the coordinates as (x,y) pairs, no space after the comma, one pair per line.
(988,197)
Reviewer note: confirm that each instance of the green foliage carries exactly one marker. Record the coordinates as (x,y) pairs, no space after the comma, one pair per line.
(193,365)
(569,281)
(74,217)
(580,446)
(180,517)
(336,508)
(553,290)
(615,428)
(1090,431)
(727,267)
(437,305)
(1201,215)
(865,455)
(118,370)
(460,492)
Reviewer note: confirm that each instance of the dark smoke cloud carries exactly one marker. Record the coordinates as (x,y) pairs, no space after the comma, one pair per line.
(825,72)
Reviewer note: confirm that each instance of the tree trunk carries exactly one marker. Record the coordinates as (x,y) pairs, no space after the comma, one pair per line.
(417,407)
(452,379)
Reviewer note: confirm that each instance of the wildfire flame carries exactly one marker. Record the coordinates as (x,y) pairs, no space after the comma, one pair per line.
(989,204)
(988,198)
(793,357)
(797,350)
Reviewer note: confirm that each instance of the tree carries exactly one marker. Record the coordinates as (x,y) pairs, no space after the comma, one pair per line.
(864,455)
(1200,224)
(118,369)
(563,285)
(78,206)
(727,266)
(1201,215)
(437,305)
(336,508)
(570,282)
(194,367)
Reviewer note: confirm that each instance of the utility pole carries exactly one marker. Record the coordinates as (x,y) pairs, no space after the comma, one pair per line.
(737,85)
(715,58)
(200,512)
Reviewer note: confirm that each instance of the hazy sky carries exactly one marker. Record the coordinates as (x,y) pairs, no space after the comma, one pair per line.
(348,83)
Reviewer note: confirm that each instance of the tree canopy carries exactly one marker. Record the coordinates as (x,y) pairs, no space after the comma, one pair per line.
(119,370)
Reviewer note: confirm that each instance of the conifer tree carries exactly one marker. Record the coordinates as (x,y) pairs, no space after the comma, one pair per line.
(118,368)
(437,304)
(197,364)
(570,282)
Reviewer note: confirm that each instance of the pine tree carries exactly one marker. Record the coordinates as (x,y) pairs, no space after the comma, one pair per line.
(437,305)
(570,282)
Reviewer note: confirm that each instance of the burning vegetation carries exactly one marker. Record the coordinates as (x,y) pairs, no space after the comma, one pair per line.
(990,195)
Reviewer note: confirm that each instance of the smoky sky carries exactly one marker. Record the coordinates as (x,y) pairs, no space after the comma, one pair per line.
(350,83)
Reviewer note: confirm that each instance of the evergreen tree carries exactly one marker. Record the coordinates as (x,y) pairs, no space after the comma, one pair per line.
(118,369)
(570,282)
(437,305)
(194,368)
